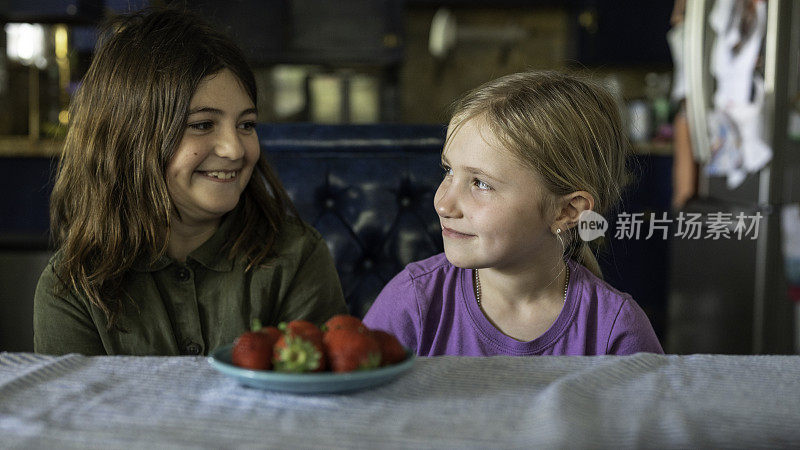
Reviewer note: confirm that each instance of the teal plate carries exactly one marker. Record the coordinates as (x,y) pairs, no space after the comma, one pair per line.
(307,383)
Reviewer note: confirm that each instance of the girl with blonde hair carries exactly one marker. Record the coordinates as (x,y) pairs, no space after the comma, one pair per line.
(525,155)
(172,231)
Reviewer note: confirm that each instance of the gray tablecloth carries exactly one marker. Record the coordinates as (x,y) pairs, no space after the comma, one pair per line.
(567,402)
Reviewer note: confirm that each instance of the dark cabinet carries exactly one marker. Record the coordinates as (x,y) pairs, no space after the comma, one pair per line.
(312,31)
(621,32)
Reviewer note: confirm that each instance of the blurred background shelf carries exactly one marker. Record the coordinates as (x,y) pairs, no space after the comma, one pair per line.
(22,146)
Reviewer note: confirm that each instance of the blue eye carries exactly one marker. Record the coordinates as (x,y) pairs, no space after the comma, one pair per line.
(481,185)
(447,171)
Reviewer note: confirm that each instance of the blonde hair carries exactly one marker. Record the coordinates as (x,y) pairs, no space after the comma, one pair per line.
(564,127)
(110,205)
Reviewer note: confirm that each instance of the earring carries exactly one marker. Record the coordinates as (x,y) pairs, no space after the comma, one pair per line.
(561,241)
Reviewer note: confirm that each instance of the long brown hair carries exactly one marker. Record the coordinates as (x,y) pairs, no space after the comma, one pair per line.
(566,128)
(110,205)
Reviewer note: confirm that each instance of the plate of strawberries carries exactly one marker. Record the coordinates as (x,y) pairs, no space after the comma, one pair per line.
(300,357)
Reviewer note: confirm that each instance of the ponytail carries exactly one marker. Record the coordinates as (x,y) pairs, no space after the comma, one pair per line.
(580,251)
(588,260)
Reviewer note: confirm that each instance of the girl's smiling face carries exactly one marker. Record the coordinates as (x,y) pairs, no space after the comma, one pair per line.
(219,149)
(489,203)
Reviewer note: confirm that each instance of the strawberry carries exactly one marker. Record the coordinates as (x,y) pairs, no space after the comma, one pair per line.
(273,332)
(253,349)
(299,349)
(304,329)
(350,350)
(344,321)
(392,351)
(295,354)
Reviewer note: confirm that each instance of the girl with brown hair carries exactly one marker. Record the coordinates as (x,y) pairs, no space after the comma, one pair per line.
(173,232)
(525,156)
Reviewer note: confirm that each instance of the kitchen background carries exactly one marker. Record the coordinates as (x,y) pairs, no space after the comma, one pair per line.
(378,62)
(356,61)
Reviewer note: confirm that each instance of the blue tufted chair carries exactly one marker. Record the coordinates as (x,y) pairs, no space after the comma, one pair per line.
(368,189)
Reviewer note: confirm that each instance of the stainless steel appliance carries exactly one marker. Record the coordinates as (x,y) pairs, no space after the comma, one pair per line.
(729,295)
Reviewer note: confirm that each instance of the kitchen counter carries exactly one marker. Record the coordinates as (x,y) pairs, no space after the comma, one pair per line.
(21,146)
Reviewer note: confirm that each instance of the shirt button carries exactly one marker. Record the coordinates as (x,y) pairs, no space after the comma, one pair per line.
(193,348)
(183,274)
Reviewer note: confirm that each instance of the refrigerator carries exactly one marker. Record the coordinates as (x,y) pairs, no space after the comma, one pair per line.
(729,295)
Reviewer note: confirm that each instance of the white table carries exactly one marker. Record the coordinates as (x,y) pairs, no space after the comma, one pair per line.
(638,401)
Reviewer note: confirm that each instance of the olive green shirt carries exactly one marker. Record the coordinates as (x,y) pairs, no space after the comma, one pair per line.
(194,307)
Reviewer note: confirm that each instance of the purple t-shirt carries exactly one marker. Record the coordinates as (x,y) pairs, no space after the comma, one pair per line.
(430,306)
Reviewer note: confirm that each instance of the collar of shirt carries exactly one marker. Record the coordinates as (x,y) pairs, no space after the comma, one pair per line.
(211,253)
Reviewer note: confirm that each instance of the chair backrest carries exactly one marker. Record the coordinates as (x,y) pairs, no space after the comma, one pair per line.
(368,189)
